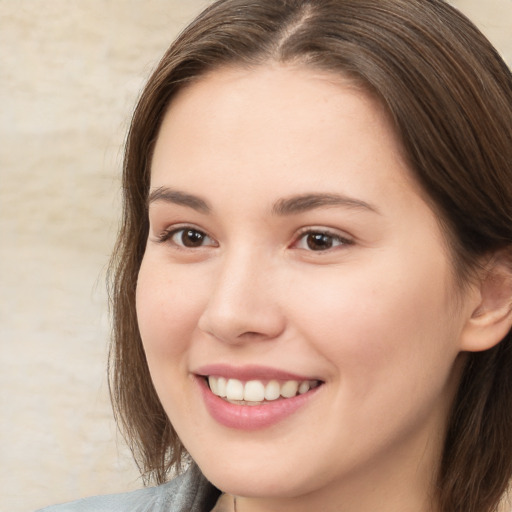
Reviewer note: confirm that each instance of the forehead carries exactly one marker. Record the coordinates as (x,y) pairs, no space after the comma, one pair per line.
(244,90)
(272,116)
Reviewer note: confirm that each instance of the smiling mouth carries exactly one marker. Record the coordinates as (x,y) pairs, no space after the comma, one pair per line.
(258,392)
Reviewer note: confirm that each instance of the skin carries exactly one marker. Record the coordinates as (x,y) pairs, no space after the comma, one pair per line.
(377,317)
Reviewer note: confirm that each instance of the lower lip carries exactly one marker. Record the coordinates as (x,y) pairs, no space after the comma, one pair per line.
(251,417)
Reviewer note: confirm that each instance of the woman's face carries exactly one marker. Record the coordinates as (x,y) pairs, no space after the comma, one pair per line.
(292,256)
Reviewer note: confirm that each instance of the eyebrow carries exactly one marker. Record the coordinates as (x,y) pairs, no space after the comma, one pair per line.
(283,207)
(305,202)
(169,195)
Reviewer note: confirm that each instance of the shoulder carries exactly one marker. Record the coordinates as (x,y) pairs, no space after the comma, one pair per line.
(190,492)
(142,500)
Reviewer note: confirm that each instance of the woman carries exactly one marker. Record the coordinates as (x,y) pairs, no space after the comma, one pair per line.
(312,286)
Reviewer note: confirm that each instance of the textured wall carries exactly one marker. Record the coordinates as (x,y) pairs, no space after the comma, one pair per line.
(70,71)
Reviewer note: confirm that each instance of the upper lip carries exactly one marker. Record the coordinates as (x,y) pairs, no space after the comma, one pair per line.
(249,372)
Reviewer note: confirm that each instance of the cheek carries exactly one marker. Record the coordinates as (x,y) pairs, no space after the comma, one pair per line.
(391,345)
(167,311)
(388,324)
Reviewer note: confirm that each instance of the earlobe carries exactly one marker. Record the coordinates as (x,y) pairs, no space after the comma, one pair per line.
(491,319)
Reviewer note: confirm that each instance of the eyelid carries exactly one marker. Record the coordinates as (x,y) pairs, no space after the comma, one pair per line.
(342,237)
(166,235)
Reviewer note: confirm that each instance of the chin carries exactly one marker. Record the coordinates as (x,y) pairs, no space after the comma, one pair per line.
(251,476)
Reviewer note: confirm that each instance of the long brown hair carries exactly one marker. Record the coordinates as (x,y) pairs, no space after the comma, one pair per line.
(449,95)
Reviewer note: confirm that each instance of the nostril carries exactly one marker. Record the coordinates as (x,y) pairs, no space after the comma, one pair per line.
(250,334)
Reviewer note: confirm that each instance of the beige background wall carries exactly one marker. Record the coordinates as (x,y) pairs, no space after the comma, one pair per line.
(70,71)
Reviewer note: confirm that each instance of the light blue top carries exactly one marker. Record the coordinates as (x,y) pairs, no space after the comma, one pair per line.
(190,492)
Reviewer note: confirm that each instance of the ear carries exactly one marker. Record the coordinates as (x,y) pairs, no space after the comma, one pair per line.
(491,319)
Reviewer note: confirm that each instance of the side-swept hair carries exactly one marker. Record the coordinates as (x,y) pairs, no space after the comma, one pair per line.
(449,97)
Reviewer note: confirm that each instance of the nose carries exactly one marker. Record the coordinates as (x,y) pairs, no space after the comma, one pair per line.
(243,303)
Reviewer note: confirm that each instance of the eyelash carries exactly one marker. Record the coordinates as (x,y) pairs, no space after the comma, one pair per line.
(326,234)
(167,235)
(322,235)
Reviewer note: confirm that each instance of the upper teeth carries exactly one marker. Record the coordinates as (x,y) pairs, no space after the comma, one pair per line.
(256,390)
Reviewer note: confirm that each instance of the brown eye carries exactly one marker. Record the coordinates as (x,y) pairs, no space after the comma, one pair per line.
(321,241)
(191,238)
